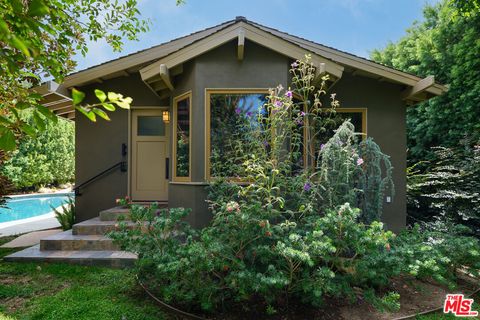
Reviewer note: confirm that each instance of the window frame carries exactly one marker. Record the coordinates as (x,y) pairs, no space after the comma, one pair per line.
(183,96)
(208,147)
(363,111)
(364,131)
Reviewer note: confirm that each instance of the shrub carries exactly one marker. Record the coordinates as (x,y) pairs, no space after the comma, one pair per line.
(289,234)
(48,158)
(449,190)
(66,215)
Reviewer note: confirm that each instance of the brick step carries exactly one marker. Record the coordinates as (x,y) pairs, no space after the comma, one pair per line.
(66,241)
(96,226)
(106,258)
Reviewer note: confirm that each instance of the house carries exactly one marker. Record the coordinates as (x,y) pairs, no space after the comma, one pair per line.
(165,149)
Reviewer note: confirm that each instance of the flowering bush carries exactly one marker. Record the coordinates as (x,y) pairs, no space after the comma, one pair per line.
(449,190)
(289,234)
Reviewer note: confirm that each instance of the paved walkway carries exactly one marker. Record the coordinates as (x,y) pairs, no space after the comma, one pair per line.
(30,239)
(10,229)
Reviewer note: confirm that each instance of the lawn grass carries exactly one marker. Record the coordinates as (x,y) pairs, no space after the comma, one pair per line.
(62,291)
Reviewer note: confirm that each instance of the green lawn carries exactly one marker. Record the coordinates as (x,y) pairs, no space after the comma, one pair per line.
(60,291)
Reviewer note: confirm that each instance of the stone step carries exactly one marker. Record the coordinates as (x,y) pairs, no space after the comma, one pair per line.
(114,213)
(66,241)
(96,226)
(106,258)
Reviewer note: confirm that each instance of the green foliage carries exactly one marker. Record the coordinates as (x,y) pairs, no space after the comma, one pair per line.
(39,39)
(47,159)
(449,189)
(445,45)
(389,302)
(66,214)
(352,172)
(277,238)
(289,234)
(437,250)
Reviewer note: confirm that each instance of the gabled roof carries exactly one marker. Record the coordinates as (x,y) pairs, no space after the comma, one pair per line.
(154,63)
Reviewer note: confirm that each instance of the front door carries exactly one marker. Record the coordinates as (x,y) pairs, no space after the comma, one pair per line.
(150,148)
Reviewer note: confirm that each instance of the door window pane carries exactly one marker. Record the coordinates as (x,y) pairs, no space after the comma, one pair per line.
(150,126)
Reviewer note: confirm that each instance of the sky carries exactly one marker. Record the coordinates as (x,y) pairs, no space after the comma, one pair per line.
(354,26)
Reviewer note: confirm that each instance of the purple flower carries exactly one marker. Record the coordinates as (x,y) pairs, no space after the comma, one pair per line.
(294,65)
(359,161)
(289,94)
(238,110)
(307,186)
(249,114)
(322,146)
(265,143)
(278,103)
(302,114)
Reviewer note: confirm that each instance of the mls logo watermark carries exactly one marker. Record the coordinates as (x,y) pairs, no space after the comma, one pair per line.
(459,306)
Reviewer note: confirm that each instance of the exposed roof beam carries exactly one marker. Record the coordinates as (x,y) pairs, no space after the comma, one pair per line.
(53,103)
(65,111)
(419,87)
(50,87)
(165,94)
(241,44)
(158,85)
(59,106)
(252,33)
(165,75)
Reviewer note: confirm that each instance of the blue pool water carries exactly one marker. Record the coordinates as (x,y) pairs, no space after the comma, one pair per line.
(23,207)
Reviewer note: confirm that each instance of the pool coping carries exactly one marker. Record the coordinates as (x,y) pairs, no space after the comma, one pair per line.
(63,191)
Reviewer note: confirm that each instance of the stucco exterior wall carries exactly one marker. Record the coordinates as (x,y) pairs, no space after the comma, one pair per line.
(386,124)
(99,145)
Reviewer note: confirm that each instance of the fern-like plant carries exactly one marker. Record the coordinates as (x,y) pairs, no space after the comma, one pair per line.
(66,214)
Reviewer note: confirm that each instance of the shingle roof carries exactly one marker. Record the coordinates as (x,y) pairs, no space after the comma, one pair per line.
(149,55)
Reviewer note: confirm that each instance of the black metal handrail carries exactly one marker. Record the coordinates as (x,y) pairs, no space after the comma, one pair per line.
(121,164)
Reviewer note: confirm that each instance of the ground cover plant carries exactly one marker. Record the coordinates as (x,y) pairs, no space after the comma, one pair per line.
(290,236)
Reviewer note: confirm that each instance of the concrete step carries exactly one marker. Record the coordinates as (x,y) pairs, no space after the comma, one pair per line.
(96,226)
(106,258)
(66,241)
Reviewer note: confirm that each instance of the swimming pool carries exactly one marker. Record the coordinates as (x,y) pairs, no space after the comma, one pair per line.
(28,206)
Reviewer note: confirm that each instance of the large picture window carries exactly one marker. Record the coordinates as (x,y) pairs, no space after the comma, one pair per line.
(182,137)
(231,117)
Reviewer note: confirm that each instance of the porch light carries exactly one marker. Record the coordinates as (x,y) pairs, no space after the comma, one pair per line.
(166,116)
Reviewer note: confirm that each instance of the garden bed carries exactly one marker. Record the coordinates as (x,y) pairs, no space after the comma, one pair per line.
(416,297)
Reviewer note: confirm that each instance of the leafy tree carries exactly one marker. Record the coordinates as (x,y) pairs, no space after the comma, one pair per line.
(445,45)
(38,40)
(49,158)
(467,7)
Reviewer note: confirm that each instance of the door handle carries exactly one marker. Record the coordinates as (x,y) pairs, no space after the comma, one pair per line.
(167,168)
